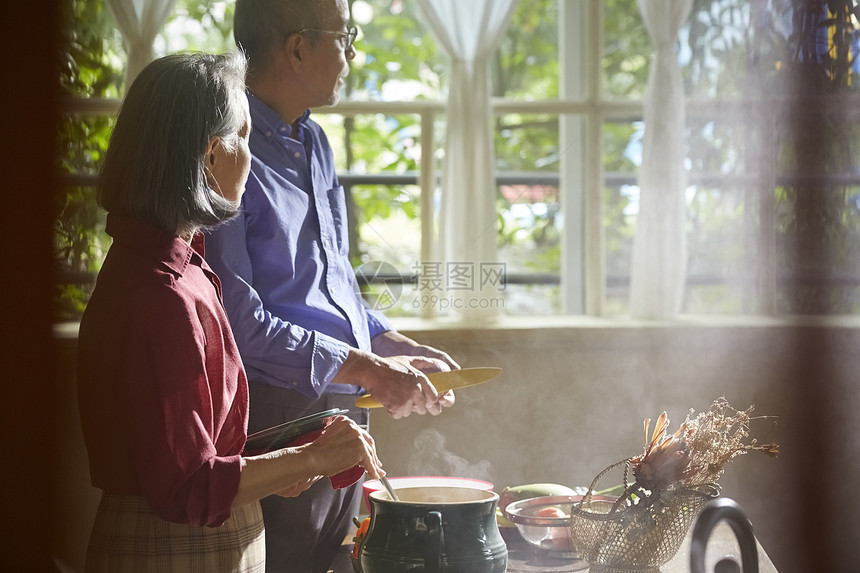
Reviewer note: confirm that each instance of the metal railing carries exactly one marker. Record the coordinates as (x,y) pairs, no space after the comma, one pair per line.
(846,107)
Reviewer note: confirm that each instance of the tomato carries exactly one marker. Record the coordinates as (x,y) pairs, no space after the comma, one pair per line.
(550,512)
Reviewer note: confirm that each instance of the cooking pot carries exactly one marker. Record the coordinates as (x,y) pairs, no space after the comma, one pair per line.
(434,530)
(399,482)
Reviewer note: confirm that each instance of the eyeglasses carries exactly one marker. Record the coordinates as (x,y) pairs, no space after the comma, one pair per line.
(349,35)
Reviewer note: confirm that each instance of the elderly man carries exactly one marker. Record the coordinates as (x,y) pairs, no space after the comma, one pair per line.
(306,339)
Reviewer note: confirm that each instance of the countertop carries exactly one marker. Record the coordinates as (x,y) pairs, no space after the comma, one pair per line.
(522,558)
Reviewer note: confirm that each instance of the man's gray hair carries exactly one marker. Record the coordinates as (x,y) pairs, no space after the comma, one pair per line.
(154,166)
(261,26)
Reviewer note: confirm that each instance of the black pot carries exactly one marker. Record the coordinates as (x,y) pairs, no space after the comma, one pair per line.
(434,530)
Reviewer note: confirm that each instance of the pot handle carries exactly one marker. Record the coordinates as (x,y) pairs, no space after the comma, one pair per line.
(433,558)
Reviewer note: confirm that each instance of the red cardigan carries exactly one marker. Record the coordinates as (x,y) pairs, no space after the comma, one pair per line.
(162,392)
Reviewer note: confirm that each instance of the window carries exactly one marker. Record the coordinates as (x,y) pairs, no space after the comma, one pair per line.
(773,216)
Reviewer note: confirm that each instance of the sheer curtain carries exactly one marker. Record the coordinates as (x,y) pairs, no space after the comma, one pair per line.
(139,21)
(469,31)
(660,245)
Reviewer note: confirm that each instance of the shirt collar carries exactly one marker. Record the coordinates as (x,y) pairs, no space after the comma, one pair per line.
(152,242)
(266,120)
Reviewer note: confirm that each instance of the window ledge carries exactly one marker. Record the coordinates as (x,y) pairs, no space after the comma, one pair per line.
(69,330)
(409,324)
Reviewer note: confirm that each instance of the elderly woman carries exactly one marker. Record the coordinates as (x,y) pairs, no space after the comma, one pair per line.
(162,391)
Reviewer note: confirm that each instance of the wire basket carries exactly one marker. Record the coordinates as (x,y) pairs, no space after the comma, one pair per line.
(641,530)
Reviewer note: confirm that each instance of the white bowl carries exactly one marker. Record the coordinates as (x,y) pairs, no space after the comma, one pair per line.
(423,481)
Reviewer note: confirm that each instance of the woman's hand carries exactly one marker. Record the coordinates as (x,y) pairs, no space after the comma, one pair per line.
(290,471)
(342,445)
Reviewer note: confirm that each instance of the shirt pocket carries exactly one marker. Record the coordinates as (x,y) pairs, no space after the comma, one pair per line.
(337,202)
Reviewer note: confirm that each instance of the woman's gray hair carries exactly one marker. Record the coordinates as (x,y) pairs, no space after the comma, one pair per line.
(260,26)
(154,165)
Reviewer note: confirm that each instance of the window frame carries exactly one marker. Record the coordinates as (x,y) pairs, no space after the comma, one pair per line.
(582,110)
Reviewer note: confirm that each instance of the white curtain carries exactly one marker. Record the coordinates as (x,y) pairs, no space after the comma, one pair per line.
(469,30)
(139,21)
(659,265)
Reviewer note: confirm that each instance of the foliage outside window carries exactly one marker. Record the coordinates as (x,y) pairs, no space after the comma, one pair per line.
(736,56)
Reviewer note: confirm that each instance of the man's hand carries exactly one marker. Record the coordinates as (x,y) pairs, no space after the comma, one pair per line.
(397,382)
(392,343)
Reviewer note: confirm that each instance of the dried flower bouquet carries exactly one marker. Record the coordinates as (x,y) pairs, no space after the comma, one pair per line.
(674,477)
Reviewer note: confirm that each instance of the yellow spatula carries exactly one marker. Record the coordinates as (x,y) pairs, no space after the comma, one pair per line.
(444,381)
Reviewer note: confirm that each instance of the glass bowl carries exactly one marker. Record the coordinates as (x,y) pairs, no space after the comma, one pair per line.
(544,522)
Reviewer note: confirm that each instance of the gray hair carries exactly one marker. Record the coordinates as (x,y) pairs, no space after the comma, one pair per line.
(260,26)
(154,165)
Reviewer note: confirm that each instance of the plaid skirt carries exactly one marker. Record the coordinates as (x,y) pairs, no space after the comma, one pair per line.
(128,537)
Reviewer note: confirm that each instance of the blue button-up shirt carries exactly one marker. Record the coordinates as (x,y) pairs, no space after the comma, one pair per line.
(288,285)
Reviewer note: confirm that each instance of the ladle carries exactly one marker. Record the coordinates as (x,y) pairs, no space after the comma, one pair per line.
(389,489)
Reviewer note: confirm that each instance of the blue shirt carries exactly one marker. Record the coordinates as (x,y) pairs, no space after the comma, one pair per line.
(288,286)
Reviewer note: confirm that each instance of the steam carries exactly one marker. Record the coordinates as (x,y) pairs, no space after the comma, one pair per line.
(431,458)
